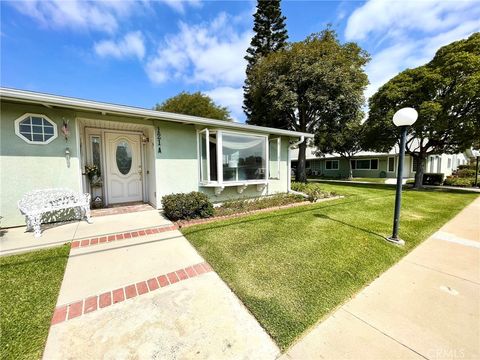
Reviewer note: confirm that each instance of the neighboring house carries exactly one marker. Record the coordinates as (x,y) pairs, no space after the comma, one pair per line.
(375,165)
(47,140)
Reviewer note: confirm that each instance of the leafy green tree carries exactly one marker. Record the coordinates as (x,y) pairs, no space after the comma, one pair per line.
(270,35)
(446,94)
(309,86)
(196,104)
(345,140)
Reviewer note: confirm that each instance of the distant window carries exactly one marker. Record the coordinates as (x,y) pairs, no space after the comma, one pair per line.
(35,129)
(331,164)
(391,164)
(414,164)
(365,164)
(449,163)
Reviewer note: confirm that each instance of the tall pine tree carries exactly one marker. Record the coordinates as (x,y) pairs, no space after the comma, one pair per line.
(270,35)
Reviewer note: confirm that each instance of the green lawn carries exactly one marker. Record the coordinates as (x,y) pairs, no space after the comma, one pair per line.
(292,267)
(362,179)
(371,180)
(29,288)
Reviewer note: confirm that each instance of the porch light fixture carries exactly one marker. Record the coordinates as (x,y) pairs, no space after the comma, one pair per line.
(403,118)
(67,156)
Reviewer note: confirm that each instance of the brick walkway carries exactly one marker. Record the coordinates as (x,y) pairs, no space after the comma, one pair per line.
(150,295)
(92,303)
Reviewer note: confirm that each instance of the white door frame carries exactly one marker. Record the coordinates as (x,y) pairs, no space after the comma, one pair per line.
(89,131)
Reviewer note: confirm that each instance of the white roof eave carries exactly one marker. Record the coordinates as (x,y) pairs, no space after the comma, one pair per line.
(113,109)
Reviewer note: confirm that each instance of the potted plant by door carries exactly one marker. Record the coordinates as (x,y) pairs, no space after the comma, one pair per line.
(96,183)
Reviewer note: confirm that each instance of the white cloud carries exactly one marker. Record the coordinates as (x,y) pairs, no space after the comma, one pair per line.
(98,15)
(378,17)
(209,53)
(231,97)
(76,14)
(408,33)
(132,44)
(180,5)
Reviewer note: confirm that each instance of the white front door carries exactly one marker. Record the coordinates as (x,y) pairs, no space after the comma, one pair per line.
(124,167)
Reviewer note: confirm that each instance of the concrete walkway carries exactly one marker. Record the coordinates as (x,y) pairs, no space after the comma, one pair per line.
(150,297)
(18,240)
(427,306)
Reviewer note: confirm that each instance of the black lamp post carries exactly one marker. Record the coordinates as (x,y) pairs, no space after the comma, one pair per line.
(402,118)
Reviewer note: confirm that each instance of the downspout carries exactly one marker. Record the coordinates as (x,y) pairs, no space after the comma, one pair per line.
(289,161)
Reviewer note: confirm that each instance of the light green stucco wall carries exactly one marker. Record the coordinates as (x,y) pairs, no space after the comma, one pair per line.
(26,167)
(343,170)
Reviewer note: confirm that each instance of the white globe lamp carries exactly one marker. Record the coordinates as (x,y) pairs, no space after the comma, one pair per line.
(405,117)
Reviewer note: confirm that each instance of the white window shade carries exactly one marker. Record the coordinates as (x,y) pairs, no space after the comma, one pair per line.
(274,158)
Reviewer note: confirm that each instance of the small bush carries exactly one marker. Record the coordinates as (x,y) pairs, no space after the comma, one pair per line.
(312,190)
(465,173)
(239,206)
(432,179)
(187,206)
(471,166)
(460,182)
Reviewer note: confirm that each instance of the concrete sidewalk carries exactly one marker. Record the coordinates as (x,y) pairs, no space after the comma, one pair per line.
(150,297)
(427,306)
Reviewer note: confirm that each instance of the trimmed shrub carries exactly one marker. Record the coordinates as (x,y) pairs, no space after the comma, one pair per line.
(432,179)
(471,166)
(383,174)
(184,206)
(457,181)
(465,173)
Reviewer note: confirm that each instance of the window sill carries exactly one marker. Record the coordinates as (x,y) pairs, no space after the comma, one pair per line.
(241,185)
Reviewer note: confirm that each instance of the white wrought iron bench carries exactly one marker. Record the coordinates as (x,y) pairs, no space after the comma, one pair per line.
(35,204)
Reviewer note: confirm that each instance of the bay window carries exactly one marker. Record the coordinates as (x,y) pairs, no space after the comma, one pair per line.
(232,158)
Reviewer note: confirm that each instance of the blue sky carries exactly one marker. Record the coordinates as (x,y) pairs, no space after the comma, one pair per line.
(140,53)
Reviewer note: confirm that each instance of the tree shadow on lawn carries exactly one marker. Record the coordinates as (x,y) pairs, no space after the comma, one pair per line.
(323,216)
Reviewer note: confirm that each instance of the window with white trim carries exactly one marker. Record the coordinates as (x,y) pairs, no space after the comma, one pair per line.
(331,164)
(365,164)
(35,129)
(274,158)
(229,157)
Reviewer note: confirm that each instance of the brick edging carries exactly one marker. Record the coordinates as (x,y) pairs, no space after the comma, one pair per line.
(92,303)
(187,223)
(121,236)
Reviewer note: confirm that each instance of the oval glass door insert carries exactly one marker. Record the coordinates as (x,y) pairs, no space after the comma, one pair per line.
(123,157)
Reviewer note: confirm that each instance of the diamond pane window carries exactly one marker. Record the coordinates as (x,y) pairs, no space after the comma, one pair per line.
(35,129)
